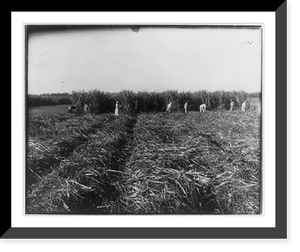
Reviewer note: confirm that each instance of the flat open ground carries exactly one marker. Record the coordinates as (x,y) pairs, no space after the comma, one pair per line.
(47,110)
(150,163)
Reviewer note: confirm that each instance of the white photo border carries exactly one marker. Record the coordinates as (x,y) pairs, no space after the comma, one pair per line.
(136,223)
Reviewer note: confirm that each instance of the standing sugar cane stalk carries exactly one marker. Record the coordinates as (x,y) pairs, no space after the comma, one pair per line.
(135,110)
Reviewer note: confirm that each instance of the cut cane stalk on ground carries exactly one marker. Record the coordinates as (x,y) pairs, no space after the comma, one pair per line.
(152,163)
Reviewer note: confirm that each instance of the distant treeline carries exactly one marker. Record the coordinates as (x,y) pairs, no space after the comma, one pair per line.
(48,99)
(104,102)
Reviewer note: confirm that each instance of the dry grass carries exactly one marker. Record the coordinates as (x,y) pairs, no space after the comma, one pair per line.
(73,163)
(195,164)
(156,163)
(47,110)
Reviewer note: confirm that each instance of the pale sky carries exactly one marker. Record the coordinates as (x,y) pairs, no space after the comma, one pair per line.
(151,59)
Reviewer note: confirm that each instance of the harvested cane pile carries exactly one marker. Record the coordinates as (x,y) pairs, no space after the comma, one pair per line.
(194,163)
(73,163)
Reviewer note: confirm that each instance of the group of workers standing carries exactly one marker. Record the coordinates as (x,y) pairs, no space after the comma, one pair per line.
(202,107)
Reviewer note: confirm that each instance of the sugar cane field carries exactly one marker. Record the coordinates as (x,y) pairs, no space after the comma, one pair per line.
(145,162)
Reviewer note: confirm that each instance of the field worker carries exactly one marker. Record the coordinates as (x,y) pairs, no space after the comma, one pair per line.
(85,107)
(135,107)
(244,106)
(169,107)
(117,109)
(202,107)
(185,107)
(231,105)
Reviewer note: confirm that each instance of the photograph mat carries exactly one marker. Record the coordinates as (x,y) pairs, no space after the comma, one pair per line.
(267,219)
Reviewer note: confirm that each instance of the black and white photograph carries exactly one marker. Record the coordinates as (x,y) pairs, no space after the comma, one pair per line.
(144,119)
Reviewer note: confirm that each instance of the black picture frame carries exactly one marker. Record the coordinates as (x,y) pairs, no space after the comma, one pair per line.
(277,232)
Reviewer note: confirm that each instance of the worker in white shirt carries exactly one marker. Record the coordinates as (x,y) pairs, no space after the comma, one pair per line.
(244,104)
(202,108)
(169,107)
(85,107)
(231,105)
(185,107)
(117,109)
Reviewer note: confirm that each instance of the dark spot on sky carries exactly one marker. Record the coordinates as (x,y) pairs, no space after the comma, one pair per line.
(135,29)
(247,42)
